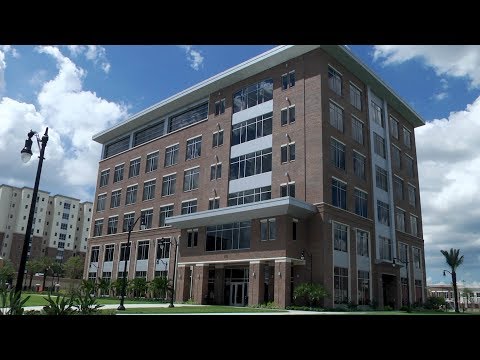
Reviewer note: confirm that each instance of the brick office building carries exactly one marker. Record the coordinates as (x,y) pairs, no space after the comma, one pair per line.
(297,165)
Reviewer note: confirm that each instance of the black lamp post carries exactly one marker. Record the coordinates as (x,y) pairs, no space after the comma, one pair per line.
(26,154)
(408,284)
(302,257)
(124,280)
(171,241)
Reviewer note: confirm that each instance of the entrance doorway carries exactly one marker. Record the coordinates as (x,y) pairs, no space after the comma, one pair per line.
(238,293)
(389,290)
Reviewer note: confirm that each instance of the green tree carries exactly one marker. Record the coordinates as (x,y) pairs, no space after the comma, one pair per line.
(33,266)
(159,286)
(74,267)
(103,286)
(6,273)
(454,260)
(57,270)
(46,266)
(310,293)
(139,287)
(116,286)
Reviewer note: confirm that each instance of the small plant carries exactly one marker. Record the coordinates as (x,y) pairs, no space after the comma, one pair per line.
(311,294)
(86,303)
(11,302)
(61,306)
(387,308)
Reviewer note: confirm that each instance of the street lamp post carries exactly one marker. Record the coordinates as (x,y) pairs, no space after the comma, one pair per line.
(408,283)
(124,280)
(26,154)
(302,257)
(163,242)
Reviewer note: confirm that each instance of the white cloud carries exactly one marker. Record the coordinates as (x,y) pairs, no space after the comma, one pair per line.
(38,77)
(444,84)
(448,153)
(440,96)
(193,56)
(96,54)
(73,115)
(451,60)
(4,50)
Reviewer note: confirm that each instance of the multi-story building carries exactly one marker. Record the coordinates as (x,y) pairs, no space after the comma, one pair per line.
(297,165)
(60,225)
(468,297)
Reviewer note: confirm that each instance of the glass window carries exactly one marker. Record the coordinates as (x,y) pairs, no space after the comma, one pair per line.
(339,194)
(359,165)
(217,138)
(168,184)
(393,127)
(340,285)
(228,236)
(109,251)
(152,162)
(407,138)
(379,145)
(147,216)
(417,259)
(340,237)
(115,199)
(134,169)
(128,220)
(383,212)
(363,287)
(100,203)
(97,230)
(287,189)
(192,238)
(288,80)
(355,97)
(142,250)
(400,219)
(381,177)
(337,154)
(335,80)
(252,129)
(189,207)
(215,171)
(188,117)
(149,189)
(254,163)
(213,203)
(194,148)
(357,130)
(268,229)
(361,203)
(409,166)
(385,248)
(377,114)
(362,243)
(150,133)
(336,117)
(249,196)
(396,157)
(190,179)
(412,195)
(94,254)
(253,95)
(131,195)
(165,212)
(112,225)
(104,177)
(118,174)
(117,147)
(413,225)
(219,107)
(398,188)
(171,155)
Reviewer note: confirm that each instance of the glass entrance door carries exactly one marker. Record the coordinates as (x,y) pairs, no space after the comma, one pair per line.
(237,294)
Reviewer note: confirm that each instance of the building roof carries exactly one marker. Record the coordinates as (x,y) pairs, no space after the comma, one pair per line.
(249,68)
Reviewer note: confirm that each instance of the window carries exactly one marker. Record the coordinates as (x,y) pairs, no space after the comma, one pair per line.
(417,258)
(253,95)
(409,165)
(403,252)
(287,189)
(385,248)
(217,138)
(134,169)
(190,179)
(336,116)
(188,117)
(287,115)
(165,212)
(294,229)
(287,152)
(413,225)
(163,249)
(109,250)
(355,97)
(131,195)
(97,230)
(252,129)
(149,190)
(168,184)
(381,177)
(150,133)
(104,177)
(65,206)
(152,162)
(361,203)
(124,253)
(359,165)
(339,194)
(63,226)
(194,148)
(383,211)
(171,155)
(213,203)
(231,236)
(142,250)
(335,80)
(357,130)
(127,220)
(219,107)
(118,174)
(377,114)
(340,285)
(398,187)
(393,127)
(337,153)
(250,196)
(407,138)
(288,80)
(94,254)
(112,225)
(115,199)
(117,147)
(362,243)
(192,237)
(400,219)
(215,171)
(340,237)
(396,157)
(147,216)
(268,229)
(100,203)
(412,195)
(254,163)
(189,207)
(62,236)
(363,287)
(418,291)
(379,145)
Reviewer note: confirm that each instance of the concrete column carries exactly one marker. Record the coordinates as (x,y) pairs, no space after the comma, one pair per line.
(200,283)
(182,283)
(219,284)
(282,282)
(256,283)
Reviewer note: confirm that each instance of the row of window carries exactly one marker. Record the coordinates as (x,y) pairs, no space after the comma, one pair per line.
(163,251)
(335,84)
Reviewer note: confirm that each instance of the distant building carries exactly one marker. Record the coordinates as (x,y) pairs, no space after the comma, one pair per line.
(60,227)
(446,291)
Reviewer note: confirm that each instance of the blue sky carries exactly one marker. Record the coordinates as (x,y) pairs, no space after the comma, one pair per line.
(80,90)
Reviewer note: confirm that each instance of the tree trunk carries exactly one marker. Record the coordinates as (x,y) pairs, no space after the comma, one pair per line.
(44,279)
(455,291)
(30,284)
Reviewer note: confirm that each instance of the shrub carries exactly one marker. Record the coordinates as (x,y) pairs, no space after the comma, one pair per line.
(434,302)
(11,302)
(61,306)
(310,293)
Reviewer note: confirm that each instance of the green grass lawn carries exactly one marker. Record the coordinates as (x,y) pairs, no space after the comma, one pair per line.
(39,300)
(194,310)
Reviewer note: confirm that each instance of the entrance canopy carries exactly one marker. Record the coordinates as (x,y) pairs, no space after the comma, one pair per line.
(262,209)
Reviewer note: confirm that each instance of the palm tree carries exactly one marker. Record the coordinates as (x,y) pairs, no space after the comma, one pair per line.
(33,267)
(454,261)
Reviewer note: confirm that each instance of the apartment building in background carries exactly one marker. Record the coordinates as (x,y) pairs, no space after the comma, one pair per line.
(298,165)
(60,226)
